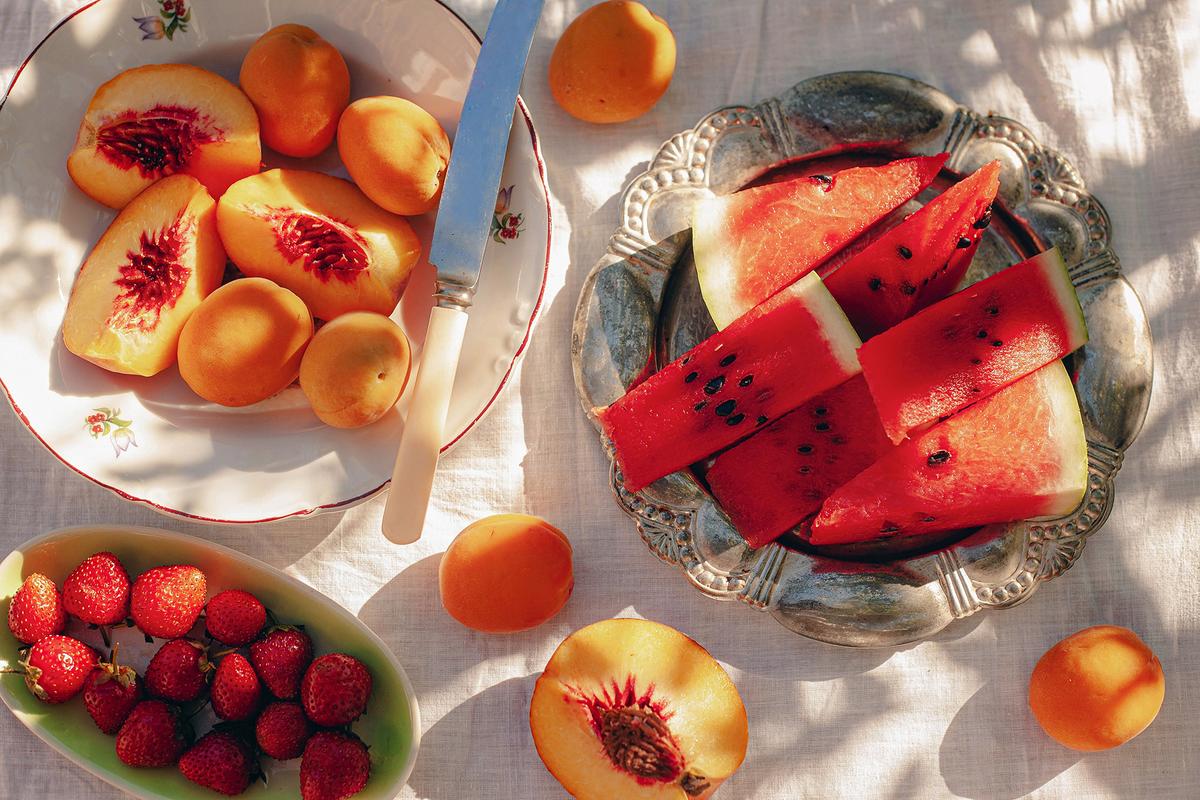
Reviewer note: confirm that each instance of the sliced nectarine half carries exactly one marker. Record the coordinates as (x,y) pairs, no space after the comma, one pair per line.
(634,709)
(320,237)
(160,119)
(157,261)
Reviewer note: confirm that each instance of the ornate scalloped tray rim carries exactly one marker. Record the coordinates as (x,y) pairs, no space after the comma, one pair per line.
(843,602)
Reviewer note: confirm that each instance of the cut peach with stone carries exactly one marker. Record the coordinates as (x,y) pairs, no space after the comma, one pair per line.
(634,709)
(320,237)
(160,119)
(157,261)
(245,342)
(299,84)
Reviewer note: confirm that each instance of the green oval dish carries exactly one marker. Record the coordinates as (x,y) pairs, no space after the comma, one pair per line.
(391,726)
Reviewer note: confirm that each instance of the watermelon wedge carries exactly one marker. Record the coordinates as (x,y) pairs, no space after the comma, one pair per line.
(778,477)
(919,261)
(785,351)
(973,343)
(750,244)
(1018,454)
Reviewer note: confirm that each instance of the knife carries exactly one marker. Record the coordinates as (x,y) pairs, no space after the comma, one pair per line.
(464,220)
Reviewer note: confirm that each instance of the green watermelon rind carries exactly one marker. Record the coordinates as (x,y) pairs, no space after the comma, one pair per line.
(1072,439)
(835,326)
(1058,279)
(713,262)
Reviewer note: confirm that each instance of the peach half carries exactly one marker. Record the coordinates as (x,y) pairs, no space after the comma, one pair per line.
(320,237)
(160,119)
(157,261)
(634,709)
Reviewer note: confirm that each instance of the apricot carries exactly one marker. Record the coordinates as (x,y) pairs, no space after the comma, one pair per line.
(506,573)
(299,84)
(612,63)
(149,271)
(320,237)
(1097,688)
(244,343)
(160,119)
(634,709)
(396,152)
(355,369)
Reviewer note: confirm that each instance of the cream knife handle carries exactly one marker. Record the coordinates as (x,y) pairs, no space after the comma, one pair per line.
(421,441)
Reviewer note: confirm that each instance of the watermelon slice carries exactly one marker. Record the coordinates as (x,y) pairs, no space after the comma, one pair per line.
(787,350)
(750,244)
(1018,454)
(973,343)
(919,261)
(771,482)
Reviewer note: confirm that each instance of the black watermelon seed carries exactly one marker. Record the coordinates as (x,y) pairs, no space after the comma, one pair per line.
(938,457)
(907,288)
(992,311)
(746,381)
(714,386)
(729,359)
(804,470)
(700,406)
(983,221)
(825,181)
(981,335)
(928,518)
(821,426)
(889,527)
(904,252)
(975,390)
(976,361)
(691,376)
(874,284)
(804,449)
(686,360)
(820,411)
(735,419)
(761,420)
(726,408)
(964,243)
(996,343)
(838,439)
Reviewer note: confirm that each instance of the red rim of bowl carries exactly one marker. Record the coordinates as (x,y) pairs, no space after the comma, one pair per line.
(352,501)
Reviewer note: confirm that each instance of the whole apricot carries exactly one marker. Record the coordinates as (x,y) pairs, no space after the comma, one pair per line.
(299,85)
(506,573)
(613,62)
(396,152)
(1097,688)
(244,342)
(355,369)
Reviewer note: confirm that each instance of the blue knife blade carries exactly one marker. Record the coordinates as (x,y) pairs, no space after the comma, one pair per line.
(464,216)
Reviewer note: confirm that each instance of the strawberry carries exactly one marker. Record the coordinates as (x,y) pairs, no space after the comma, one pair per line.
(235,617)
(335,766)
(36,610)
(110,693)
(280,659)
(178,671)
(282,730)
(97,591)
(335,690)
(152,736)
(167,601)
(236,689)
(56,668)
(219,761)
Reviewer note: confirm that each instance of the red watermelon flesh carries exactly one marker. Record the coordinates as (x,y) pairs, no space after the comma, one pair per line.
(778,477)
(750,244)
(1018,454)
(973,343)
(919,261)
(783,352)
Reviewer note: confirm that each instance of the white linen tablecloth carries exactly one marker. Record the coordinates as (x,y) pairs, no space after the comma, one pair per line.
(1114,85)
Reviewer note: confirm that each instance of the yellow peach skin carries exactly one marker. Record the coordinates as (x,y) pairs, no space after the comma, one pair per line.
(157,261)
(1097,688)
(245,342)
(396,152)
(612,63)
(299,84)
(355,369)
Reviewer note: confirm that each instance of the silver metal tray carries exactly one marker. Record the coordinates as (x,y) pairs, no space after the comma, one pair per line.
(640,307)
